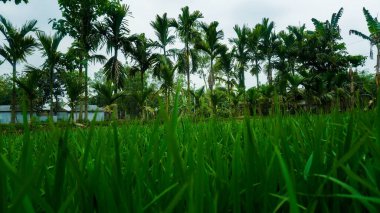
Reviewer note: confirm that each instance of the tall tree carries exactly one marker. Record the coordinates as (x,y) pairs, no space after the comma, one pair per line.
(225,64)
(29,85)
(210,43)
(186,27)
(255,54)
(79,21)
(268,46)
(49,47)
(161,28)
(374,38)
(240,44)
(20,45)
(74,88)
(16,1)
(114,29)
(142,56)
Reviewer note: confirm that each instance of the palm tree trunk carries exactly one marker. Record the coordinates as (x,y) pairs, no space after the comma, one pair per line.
(86,91)
(142,82)
(51,90)
(30,110)
(80,116)
(270,78)
(378,68)
(188,75)
(167,101)
(13,105)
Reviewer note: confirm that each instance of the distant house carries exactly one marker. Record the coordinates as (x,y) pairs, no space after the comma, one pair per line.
(61,115)
(92,110)
(6,114)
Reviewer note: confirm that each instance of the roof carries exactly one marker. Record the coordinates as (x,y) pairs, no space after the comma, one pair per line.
(5,108)
(91,108)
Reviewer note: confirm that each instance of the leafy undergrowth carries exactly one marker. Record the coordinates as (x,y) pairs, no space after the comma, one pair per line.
(314,163)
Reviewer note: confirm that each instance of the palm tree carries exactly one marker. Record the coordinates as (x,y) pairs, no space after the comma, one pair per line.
(74,88)
(374,38)
(225,63)
(255,53)
(161,27)
(49,47)
(142,55)
(29,86)
(114,31)
(164,70)
(20,45)
(79,21)
(210,44)
(186,28)
(268,45)
(240,43)
(107,92)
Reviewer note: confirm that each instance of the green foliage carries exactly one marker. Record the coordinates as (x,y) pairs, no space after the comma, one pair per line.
(268,164)
(16,1)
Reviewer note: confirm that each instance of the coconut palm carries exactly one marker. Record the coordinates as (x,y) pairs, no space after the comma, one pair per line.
(114,31)
(161,28)
(49,48)
(186,29)
(19,46)
(374,38)
(210,43)
(240,44)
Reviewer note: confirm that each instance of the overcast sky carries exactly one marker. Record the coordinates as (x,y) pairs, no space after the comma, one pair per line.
(226,12)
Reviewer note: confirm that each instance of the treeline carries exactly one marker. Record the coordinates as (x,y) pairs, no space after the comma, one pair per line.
(306,69)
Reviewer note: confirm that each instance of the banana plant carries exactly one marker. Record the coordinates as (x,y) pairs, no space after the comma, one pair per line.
(373,25)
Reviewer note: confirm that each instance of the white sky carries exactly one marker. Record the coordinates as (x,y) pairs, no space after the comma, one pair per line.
(227,13)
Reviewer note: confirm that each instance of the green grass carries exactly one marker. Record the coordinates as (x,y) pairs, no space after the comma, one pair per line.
(314,163)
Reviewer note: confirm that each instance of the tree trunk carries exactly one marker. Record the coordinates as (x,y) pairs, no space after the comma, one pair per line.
(86,91)
(378,68)
(167,101)
(257,74)
(51,90)
(30,110)
(13,105)
(270,78)
(80,116)
(188,76)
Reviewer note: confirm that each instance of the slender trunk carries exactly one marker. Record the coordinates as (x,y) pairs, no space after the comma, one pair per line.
(378,68)
(117,80)
(167,101)
(257,74)
(51,90)
(30,109)
(13,105)
(142,82)
(212,77)
(270,71)
(80,116)
(86,91)
(188,75)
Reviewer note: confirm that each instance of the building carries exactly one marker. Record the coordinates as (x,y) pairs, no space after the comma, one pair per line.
(42,116)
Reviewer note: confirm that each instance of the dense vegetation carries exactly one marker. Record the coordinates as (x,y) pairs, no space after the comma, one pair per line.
(309,69)
(168,161)
(318,163)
